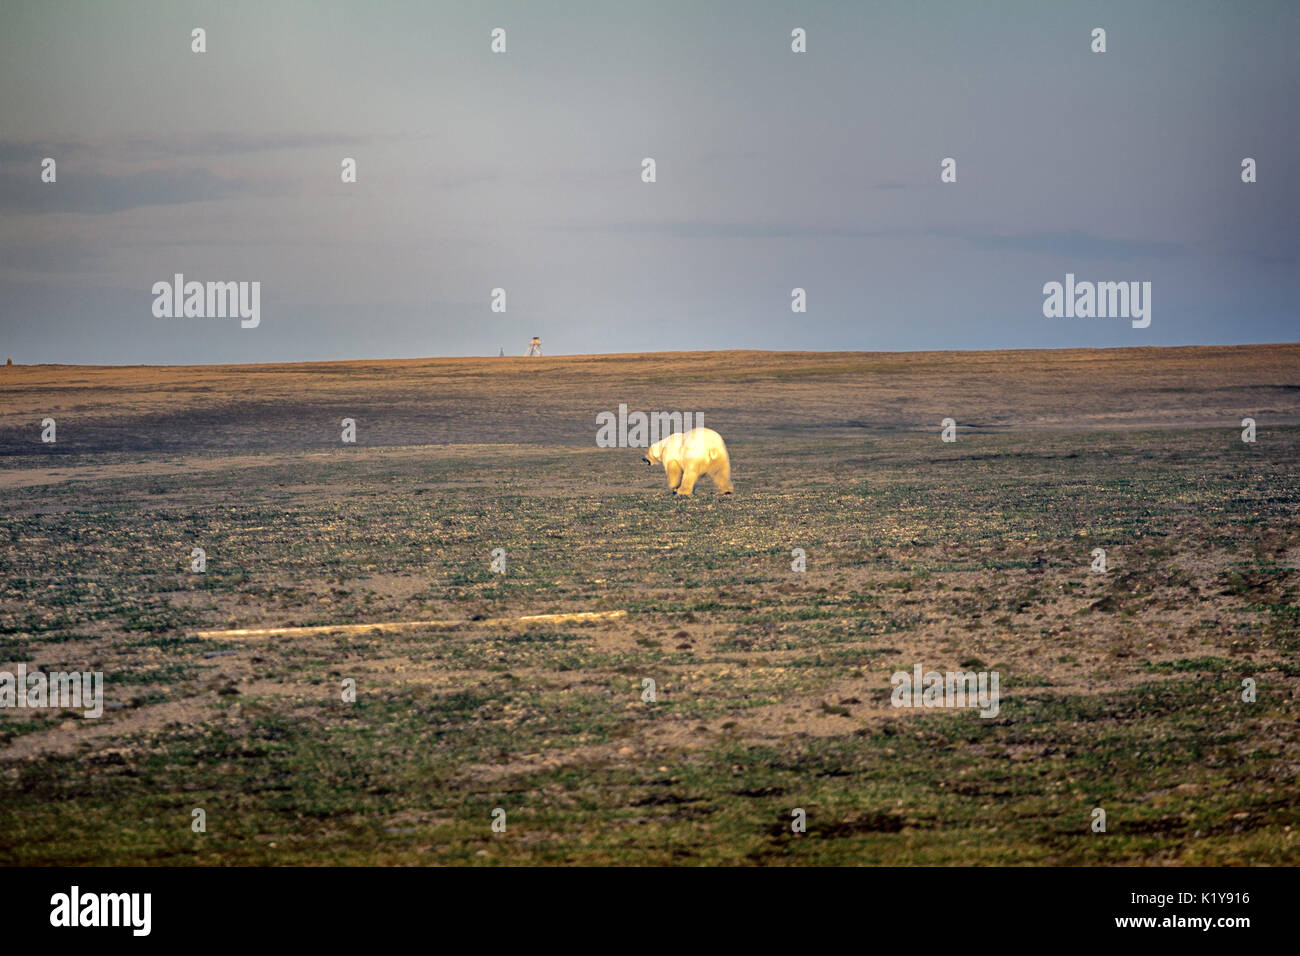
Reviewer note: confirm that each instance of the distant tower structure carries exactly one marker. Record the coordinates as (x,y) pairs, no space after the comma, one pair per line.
(534,348)
(503,353)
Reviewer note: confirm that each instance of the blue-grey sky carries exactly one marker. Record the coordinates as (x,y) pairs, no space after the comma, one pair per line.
(523,171)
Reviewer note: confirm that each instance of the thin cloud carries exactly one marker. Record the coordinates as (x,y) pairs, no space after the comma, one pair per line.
(1072,244)
(98,192)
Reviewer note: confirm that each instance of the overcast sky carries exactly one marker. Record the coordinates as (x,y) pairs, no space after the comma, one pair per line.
(523,171)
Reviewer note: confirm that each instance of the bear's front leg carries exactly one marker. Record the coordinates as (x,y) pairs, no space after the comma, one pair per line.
(689,477)
(674,471)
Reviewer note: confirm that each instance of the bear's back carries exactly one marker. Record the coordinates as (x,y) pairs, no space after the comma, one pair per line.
(698,442)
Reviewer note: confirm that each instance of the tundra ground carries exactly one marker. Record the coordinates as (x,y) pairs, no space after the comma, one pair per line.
(1120,690)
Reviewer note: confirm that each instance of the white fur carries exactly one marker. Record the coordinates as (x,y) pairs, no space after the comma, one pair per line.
(686,457)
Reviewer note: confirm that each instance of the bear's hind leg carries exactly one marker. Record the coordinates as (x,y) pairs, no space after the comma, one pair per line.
(722,476)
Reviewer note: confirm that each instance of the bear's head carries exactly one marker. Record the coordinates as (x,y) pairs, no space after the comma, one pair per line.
(654,454)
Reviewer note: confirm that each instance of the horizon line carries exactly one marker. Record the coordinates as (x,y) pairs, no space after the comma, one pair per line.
(599,355)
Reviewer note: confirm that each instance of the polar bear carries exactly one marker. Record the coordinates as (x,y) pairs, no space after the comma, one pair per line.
(686,457)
